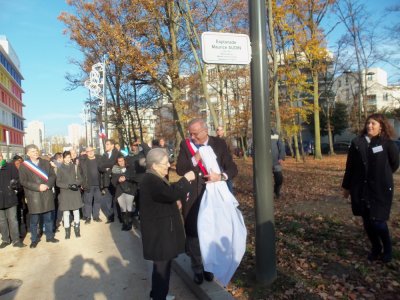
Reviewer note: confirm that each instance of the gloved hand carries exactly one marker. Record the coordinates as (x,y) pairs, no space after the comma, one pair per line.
(73,187)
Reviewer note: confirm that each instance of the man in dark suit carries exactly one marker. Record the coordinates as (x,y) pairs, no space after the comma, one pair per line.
(38,179)
(109,159)
(189,159)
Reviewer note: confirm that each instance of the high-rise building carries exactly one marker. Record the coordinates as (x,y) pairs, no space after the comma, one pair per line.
(75,133)
(11,116)
(34,134)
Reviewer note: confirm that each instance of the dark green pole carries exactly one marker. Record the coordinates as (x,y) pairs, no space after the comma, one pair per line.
(262,164)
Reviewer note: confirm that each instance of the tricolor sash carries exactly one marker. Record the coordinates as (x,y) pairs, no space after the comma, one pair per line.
(35,169)
(190,146)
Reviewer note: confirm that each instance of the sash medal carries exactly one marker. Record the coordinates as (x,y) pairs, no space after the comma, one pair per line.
(35,169)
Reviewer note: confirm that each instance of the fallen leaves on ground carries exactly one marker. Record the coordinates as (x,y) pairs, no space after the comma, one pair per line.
(321,248)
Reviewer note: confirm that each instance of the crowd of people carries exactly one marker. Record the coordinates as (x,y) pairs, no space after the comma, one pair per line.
(69,188)
(51,194)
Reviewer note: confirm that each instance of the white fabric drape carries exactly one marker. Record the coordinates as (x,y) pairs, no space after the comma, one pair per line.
(221,229)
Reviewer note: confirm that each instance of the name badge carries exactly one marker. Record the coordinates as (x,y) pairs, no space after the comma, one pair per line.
(377,149)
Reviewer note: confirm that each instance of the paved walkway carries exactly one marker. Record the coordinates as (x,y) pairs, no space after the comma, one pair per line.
(105,263)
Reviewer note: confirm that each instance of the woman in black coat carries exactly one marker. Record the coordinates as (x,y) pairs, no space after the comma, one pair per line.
(373,158)
(161,222)
(69,180)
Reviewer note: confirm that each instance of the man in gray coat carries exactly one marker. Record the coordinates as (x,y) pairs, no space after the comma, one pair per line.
(38,178)
(278,156)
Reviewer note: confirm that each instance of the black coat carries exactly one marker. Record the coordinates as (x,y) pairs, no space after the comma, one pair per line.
(129,186)
(161,222)
(69,199)
(369,176)
(38,202)
(8,197)
(105,167)
(184,164)
(83,164)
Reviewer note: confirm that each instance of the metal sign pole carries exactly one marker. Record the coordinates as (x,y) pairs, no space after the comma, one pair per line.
(262,164)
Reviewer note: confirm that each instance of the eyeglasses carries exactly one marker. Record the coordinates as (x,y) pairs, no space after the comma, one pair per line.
(196,133)
(164,164)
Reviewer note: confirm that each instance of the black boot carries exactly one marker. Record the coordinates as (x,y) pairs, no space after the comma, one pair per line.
(124,216)
(130,219)
(67,233)
(77,230)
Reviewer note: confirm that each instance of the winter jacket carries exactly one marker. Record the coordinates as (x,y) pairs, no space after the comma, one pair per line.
(129,186)
(38,202)
(68,175)
(160,219)
(83,163)
(277,151)
(9,182)
(369,176)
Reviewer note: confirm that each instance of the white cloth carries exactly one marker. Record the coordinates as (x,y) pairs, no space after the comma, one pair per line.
(221,229)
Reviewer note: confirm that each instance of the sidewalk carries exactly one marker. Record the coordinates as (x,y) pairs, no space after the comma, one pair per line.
(105,263)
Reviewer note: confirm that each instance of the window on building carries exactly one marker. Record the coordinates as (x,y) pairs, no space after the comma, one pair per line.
(385,97)
(369,77)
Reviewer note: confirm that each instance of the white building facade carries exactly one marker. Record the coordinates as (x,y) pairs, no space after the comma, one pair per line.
(75,134)
(35,133)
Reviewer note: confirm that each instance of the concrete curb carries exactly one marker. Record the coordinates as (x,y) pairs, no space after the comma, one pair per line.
(206,290)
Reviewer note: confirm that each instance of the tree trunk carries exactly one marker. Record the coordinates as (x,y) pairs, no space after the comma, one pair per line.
(317,134)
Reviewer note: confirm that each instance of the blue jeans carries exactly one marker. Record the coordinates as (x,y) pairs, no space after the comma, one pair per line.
(91,200)
(9,224)
(48,225)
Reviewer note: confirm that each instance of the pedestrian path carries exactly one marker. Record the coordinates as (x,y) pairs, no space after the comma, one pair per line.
(105,263)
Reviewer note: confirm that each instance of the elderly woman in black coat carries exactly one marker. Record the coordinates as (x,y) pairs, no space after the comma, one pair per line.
(373,158)
(69,180)
(161,222)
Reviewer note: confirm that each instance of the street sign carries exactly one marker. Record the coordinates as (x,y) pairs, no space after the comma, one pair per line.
(225,48)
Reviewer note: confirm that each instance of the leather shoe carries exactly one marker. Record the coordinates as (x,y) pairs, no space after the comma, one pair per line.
(33,245)
(198,278)
(110,219)
(87,221)
(4,244)
(208,276)
(97,220)
(52,240)
(19,244)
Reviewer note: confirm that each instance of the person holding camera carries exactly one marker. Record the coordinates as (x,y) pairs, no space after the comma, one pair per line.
(8,205)
(69,180)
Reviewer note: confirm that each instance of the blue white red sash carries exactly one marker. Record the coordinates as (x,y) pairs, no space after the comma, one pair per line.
(190,146)
(35,169)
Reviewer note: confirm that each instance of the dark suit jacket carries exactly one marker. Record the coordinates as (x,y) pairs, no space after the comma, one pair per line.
(105,167)
(184,164)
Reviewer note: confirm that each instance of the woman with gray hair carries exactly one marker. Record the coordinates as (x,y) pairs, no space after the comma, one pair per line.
(161,221)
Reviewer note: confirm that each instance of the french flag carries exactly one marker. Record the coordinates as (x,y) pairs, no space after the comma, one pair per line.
(102,132)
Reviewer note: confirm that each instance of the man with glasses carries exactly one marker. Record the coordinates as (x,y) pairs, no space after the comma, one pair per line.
(38,179)
(189,159)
